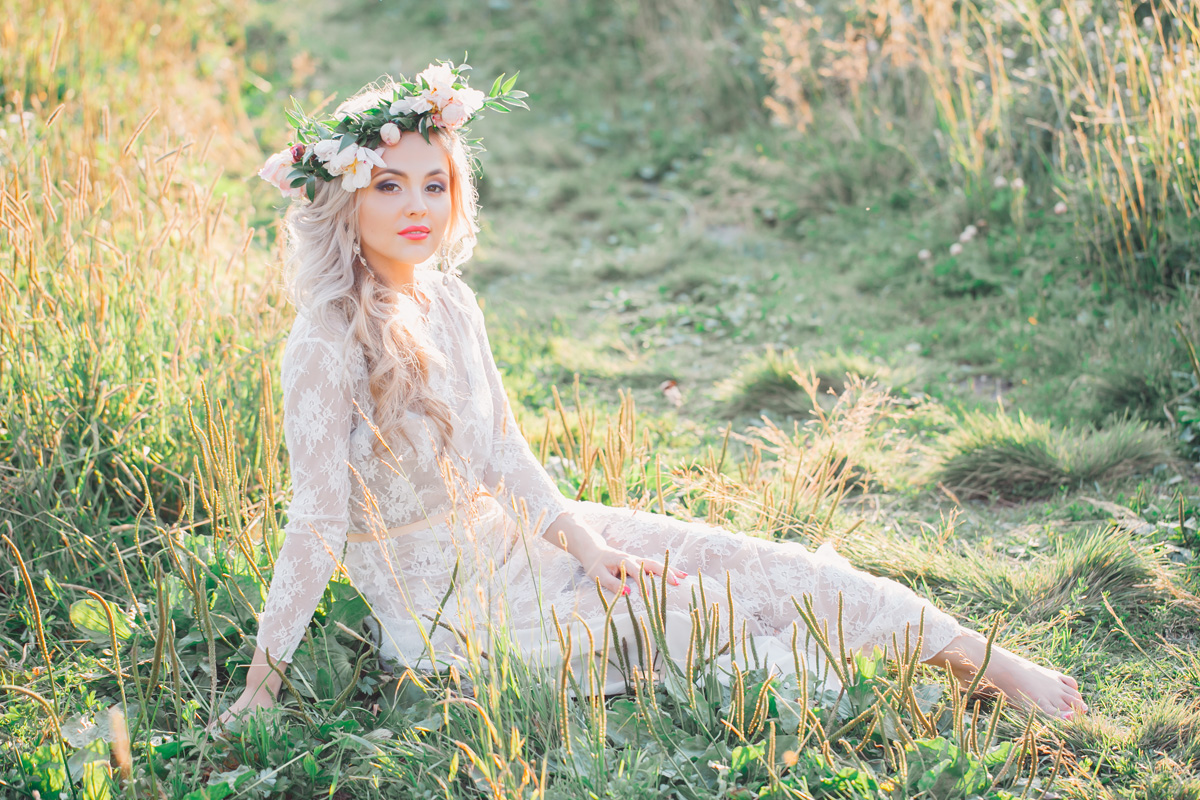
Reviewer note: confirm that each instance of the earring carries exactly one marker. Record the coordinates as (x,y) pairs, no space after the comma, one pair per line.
(358,253)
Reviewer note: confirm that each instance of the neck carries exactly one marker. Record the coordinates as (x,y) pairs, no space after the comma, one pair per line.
(399,277)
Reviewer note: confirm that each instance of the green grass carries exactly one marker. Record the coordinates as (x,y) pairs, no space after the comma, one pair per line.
(674,233)
(996,455)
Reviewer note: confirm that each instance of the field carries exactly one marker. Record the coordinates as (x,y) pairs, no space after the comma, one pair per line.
(917,279)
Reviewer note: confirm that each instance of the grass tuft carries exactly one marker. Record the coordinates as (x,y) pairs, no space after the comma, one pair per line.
(772,382)
(996,455)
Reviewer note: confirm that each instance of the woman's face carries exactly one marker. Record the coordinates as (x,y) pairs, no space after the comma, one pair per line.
(406,207)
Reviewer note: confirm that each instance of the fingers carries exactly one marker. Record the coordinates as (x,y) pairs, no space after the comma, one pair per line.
(611,583)
(652,567)
(674,576)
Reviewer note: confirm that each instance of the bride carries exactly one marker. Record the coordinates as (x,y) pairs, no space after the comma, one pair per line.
(411,477)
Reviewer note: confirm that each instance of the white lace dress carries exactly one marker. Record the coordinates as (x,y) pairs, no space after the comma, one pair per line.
(508,579)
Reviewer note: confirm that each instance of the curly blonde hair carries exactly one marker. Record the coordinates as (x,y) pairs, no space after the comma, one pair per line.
(327,282)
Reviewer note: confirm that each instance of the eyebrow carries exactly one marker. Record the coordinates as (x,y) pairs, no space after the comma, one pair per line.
(389,170)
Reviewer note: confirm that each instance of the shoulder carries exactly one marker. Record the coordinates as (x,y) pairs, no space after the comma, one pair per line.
(309,333)
(321,345)
(456,290)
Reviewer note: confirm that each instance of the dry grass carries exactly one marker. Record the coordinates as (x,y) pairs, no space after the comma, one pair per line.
(1100,106)
(131,274)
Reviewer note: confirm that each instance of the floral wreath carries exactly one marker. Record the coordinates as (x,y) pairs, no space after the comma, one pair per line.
(326,149)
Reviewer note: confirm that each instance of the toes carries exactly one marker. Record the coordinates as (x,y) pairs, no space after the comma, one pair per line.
(1074,698)
(1073,705)
(1069,681)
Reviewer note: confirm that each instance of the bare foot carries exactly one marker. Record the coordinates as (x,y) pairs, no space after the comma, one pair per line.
(1024,683)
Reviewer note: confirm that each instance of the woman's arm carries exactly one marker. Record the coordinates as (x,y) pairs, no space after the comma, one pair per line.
(512,471)
(521,481)
(318,411)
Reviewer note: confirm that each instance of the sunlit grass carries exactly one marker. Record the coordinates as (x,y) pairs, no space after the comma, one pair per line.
(142,481)
(1097,105)
(1002,455)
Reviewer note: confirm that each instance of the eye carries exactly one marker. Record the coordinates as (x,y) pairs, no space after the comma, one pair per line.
(383,187)
(439,187)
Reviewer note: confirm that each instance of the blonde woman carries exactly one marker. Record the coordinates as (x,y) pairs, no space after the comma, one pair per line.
(410,475)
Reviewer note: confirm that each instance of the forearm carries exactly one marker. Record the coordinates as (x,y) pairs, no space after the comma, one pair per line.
(577,538)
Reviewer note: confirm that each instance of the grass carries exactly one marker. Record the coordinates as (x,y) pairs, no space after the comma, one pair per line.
(998,455)
(675,233)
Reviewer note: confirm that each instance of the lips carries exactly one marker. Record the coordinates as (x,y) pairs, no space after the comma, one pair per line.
(415,232)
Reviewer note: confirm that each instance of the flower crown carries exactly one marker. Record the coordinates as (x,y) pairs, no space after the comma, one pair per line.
(329,148)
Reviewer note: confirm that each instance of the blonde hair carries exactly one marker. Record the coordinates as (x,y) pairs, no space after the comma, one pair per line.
(327,282)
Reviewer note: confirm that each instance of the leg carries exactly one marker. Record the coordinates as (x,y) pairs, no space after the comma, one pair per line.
(767,578)
(1024,683)
(768,574)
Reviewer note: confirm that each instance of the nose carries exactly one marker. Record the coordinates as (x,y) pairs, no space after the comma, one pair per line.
(415,205)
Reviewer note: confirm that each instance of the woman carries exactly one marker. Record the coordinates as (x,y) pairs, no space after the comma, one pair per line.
(405,452)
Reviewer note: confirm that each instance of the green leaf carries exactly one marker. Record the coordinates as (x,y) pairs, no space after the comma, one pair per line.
(97,781)
(218,792)
(44,770)
(348,607)
(323,667)
(743,757)
(623,721)
(998,754)
(496,86)
(346,142)
(300,178)
(88,616)
(508,84)
(311,188)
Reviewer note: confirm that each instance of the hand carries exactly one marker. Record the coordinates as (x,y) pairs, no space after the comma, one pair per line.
(251,699)
(607,563)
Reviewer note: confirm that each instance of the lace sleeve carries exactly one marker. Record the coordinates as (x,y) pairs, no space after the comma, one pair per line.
(513,472)
(317,420)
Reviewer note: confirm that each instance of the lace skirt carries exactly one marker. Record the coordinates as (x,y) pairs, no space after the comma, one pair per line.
(470,585)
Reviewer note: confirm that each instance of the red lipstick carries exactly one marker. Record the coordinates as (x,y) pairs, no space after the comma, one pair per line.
(415,232)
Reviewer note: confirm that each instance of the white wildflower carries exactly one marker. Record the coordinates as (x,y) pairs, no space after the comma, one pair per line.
(472,100)
(417,104)
(357,171)
(326,149)
(438,77)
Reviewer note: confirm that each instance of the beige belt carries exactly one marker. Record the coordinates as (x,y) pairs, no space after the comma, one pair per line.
(463,509)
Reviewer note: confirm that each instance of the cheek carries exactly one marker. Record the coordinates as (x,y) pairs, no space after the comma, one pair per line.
(371,218)
(444,206)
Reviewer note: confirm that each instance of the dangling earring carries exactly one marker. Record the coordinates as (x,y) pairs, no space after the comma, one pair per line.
(358,254)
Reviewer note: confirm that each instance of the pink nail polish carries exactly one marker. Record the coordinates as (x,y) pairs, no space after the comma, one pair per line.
(625,590)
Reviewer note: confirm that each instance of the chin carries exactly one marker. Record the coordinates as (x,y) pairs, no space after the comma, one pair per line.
(415,255)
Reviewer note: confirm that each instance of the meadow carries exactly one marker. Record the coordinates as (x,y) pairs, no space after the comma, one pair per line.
(915,278)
